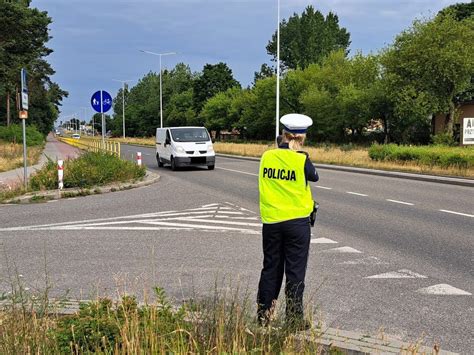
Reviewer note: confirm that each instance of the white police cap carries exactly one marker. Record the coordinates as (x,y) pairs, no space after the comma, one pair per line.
(296,123)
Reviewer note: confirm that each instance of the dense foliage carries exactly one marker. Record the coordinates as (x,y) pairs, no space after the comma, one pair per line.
(23,38)
(387,97)
(14,134)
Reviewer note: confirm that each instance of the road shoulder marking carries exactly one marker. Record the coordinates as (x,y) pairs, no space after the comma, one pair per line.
(356,193)
(400,274)
(443,289)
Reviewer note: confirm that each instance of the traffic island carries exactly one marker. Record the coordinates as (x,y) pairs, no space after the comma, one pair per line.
(48,195)
(91,173)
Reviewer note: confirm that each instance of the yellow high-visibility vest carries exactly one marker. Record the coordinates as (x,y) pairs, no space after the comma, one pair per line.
(284,193)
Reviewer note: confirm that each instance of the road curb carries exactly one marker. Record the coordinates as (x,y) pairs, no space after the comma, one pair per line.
(43,196)
(394,174)
(330,340)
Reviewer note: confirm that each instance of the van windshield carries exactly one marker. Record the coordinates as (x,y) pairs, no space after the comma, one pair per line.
(190,135)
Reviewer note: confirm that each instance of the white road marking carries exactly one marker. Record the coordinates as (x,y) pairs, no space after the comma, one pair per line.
(219,217)
(400,274)
(72,198)
(443,289)
(237,171)
(401,202)
(371,260)
(323,187)
(51,201)
(211,221)
(344,250)
(458,213)
(323,241)
(210,205)
(356,193)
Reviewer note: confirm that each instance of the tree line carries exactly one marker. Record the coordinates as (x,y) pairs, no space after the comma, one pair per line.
(23,39)
(389,96)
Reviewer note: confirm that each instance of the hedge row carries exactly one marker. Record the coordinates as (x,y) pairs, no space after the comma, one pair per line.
(14,134)
(90,169)
(442,156)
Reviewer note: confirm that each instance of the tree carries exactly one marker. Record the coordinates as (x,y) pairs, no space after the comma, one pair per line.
(218,112)
(23,36)
(213,79)
(429,65)
(265,72)
(308,39)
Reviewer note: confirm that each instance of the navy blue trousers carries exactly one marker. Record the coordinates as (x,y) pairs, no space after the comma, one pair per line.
(285,252)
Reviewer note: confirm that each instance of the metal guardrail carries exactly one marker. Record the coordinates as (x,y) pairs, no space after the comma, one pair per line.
(94,145)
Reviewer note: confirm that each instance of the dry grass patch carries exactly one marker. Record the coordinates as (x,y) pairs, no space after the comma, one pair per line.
(357,157)
(11,155)
(142,141)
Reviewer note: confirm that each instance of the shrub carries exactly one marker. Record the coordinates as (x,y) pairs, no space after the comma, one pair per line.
(14,134)
(442,156)
(443,139)
(88,170)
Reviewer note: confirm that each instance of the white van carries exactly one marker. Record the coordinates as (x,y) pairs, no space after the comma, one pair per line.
(184,146)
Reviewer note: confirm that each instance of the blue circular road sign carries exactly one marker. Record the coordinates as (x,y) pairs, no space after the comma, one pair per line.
(101,101)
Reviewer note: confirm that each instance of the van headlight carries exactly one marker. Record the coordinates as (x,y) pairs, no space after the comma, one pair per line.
(180,150)
(210,149)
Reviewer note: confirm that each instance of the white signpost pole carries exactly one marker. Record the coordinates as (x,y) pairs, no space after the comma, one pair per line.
(23,117)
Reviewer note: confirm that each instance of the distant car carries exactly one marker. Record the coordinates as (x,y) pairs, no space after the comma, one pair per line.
(76,136)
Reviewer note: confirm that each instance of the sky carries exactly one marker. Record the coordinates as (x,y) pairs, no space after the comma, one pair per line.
(97,41)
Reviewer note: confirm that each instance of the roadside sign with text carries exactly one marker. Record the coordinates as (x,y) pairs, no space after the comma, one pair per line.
(24,90)
(101,101)
(468,130)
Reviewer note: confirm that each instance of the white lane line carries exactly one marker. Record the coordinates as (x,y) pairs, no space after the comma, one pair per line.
(197,226)
(237,171)
(323,187)
(344,250)
(323,241)
(400,274)
(443,289)
(400,202)
(458,213)
(210,205)
(167,227)
(51,201)
(356,193)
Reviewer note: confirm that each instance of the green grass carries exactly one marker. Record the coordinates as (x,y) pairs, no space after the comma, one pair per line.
(90,169)
(441,156)
(223,323)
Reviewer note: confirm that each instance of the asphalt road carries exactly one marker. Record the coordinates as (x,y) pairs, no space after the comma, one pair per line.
(388,255)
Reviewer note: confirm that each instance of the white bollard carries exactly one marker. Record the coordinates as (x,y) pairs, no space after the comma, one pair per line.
(60,174)
(139,158)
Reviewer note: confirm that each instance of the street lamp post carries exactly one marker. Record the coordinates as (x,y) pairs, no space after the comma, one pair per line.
(123,102)
(161,95)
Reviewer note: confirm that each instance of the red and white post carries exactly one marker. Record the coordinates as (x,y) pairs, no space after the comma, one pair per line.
(60,174)
(139,158)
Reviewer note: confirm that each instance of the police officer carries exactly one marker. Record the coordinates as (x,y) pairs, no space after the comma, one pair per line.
(285,206)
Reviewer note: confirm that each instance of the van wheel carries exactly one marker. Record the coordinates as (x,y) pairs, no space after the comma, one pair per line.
(160,164)
(173,164)
(210,167)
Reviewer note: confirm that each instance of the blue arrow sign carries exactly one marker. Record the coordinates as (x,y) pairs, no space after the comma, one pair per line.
(101,101)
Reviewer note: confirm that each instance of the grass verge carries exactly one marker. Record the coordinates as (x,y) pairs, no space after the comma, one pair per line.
(11,155)
(89,170)
(225,323)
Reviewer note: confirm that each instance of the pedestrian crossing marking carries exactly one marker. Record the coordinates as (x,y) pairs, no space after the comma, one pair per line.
(223,217)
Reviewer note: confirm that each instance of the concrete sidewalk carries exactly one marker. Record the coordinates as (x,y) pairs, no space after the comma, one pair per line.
(54,150)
